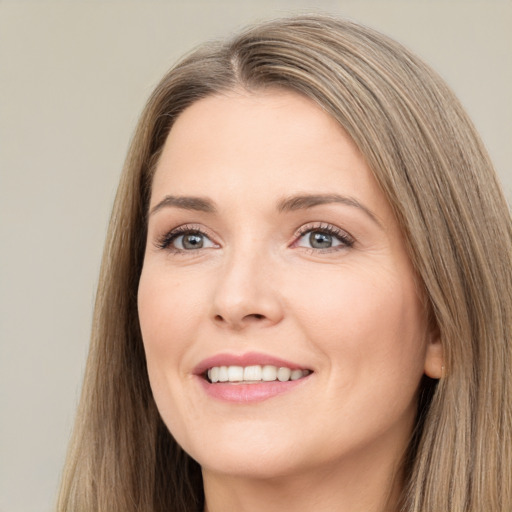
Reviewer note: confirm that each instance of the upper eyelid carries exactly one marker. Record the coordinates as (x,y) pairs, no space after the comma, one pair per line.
(322,226)
(319,225)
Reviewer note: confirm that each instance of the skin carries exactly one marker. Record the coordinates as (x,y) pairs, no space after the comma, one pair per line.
(350,313)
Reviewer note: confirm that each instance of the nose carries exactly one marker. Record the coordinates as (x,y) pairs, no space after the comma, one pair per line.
(247,293)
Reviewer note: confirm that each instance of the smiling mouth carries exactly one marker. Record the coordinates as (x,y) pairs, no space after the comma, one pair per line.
(254,374)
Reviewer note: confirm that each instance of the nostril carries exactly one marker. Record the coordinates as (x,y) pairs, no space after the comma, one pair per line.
(254,316)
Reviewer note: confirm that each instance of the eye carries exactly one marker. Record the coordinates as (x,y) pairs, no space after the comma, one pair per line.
(192,241)
(324,237)
(184,239)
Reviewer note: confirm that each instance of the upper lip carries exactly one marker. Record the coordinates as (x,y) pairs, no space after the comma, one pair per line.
(247,359)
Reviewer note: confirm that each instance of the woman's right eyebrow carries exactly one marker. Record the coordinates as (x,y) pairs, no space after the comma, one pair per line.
(200,204)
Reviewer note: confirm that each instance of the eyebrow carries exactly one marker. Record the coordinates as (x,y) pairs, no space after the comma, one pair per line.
(288,204)
(305,201)
(199,204)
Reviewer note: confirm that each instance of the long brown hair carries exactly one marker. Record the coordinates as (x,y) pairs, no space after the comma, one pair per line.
(436,174)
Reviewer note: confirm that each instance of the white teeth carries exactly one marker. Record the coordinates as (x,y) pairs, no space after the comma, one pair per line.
(235,373)
(283,374)
(269,373)
(213,374)
(254,373)
(296,374)
(223,374)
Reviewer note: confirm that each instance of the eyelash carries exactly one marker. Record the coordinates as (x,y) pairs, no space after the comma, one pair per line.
(327,229)
(347,241)
(165,241)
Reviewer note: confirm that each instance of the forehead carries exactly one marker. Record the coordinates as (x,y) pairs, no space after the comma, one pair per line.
(242,145)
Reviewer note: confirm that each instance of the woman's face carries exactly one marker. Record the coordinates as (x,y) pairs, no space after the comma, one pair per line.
(271,246)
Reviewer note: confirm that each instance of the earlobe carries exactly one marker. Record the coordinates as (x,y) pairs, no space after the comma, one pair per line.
(434,359)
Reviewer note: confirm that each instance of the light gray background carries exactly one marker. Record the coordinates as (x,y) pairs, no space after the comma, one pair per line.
(74,76)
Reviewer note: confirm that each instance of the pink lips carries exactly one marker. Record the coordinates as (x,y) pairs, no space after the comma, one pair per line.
(245,393)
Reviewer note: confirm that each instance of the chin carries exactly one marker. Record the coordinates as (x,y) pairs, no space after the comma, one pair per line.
(261,466)
(248,455)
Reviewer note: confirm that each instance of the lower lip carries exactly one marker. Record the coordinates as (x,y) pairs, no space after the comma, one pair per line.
(249,393)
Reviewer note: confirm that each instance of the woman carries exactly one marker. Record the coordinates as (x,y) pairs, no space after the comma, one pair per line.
(305,296)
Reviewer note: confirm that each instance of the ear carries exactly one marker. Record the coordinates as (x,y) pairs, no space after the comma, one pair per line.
(434,359)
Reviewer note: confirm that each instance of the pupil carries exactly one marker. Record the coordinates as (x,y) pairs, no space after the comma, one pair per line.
(320,240)
(193,241)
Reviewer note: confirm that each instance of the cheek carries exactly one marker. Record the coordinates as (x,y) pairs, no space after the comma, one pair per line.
(366,323)
(167,311)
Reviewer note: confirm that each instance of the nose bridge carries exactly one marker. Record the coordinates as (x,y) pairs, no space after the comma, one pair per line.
(245,291)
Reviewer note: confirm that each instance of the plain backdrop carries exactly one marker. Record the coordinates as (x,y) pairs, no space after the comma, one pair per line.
(74,76)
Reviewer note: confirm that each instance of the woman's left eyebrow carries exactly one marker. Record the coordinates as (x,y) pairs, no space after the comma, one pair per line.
(304,201)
